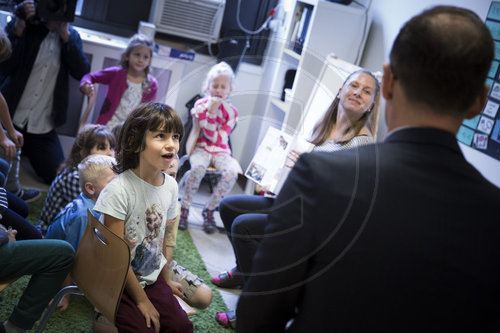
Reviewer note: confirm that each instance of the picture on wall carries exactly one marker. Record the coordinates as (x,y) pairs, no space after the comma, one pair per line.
(483,131)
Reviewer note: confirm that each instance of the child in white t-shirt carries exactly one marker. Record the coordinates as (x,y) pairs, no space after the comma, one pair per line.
(147,144)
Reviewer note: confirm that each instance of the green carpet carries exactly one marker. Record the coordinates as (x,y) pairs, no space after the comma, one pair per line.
(78,317)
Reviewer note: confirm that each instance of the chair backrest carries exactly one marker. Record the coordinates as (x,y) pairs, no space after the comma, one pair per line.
(100,268)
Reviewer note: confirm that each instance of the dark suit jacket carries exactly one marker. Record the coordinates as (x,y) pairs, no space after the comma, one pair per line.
(402,236)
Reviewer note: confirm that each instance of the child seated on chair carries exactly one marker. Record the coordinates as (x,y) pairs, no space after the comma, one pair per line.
(214,117)
(148,142)
(95,173)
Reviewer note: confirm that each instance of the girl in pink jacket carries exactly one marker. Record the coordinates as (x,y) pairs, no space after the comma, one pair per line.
(129,84)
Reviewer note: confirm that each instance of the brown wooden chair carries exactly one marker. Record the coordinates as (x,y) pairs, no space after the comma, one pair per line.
(99,271)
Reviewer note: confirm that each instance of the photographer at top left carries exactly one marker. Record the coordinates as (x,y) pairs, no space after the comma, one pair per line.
(35,79)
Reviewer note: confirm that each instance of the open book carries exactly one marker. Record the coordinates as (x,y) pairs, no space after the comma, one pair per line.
(268,167)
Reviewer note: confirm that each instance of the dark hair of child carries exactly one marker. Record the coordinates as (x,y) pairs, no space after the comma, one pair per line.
(116,130)
(150,116)
(90,136)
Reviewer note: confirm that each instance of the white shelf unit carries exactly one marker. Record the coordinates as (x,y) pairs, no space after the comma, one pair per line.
(292,54)
(332,28)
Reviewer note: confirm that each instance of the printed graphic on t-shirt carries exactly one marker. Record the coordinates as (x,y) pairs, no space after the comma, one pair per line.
(148,253)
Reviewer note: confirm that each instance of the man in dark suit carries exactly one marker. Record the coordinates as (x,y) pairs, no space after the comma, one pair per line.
(399,236)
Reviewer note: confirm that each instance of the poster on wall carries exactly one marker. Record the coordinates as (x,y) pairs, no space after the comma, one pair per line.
(483,131)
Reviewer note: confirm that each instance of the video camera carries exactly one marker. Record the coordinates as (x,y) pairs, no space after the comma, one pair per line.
(53,10)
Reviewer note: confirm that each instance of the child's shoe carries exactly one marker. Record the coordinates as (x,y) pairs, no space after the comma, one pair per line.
(183,220)
(29,195)
(208,221)
(229,279)
(226,319)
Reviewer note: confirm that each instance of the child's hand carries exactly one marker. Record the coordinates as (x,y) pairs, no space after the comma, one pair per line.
(129,242)
(12,234)
(88,89)
(29,8)
(9,147)
(176,288)
(214,105)
(150,314)
(16,137)
(30,11)
(64,31)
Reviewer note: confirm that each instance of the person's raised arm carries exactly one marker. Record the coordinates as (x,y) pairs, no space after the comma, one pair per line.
(85,115)
(5,142)
(28,7)
(132,285)
(219,132)
(72,53)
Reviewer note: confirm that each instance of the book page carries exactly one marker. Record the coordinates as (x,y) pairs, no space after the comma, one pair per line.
(267,167)
(269,158)
(299,144)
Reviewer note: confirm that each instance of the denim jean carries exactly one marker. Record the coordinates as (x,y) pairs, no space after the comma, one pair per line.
(48,261)
(4,169)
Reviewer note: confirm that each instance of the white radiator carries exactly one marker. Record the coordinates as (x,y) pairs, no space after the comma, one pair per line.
(195,19)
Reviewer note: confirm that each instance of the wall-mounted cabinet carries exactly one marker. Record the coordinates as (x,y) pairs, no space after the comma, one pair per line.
(313,30)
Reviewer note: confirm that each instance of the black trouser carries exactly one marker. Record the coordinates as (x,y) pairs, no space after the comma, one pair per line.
(245,219)
(44,152)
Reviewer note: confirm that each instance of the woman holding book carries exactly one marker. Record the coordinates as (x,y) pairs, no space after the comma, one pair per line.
(346,124)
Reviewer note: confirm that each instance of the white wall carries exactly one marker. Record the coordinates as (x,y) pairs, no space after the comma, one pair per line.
(388,17)
(245,96)
(252,81)
(190,84)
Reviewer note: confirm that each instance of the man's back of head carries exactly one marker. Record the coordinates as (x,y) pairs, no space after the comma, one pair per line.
(441,59)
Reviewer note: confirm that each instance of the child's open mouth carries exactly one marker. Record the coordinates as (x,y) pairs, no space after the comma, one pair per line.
(168,156)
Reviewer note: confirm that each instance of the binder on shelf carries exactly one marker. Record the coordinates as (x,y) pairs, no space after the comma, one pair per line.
(295,25)
(305,18)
